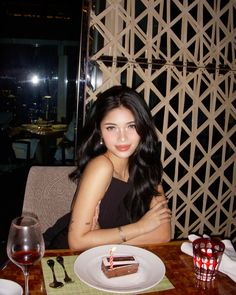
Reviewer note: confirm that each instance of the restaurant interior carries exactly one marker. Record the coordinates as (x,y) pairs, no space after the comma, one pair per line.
(56,56)
(39,58)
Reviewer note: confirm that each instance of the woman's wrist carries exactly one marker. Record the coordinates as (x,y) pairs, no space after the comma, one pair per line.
(139,228)
(130,231)
(122,234)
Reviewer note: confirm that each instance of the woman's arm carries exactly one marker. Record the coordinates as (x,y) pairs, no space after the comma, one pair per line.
(93,185)
(162,233)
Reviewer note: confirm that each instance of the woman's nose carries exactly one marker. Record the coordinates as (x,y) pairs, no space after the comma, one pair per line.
(122,134)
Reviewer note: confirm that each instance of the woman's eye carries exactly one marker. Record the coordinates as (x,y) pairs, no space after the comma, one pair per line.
(132,126)
(110,128)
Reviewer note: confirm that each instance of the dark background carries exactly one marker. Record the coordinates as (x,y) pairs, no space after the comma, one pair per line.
(32,20)
(45,19)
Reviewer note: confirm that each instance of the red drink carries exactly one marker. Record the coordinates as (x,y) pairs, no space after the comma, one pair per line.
(26,257)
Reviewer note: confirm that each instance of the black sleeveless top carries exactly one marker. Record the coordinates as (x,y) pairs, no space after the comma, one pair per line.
(112,213)
(112,210)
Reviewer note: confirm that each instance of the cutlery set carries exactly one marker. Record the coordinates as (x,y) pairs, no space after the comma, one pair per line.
(55,283)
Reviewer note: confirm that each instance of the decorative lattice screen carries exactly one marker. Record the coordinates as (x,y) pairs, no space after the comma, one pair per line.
(180,55)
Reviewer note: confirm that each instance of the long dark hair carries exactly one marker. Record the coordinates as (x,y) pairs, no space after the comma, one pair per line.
(145,168)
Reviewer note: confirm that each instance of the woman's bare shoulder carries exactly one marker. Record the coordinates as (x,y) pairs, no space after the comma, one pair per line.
(96,177)
(101,162)
(100,165)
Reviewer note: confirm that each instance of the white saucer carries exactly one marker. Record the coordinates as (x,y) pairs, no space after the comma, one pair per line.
(8,287)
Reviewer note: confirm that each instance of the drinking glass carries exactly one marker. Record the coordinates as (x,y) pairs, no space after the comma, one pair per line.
(25,244)
(207,254)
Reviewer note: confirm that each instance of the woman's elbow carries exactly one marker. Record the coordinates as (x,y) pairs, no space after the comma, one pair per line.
(78,243)
(165,239)
(73,247)
(166,236)
(74,243)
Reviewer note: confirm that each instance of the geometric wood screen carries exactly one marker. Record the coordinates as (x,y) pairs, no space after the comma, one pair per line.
(181,56)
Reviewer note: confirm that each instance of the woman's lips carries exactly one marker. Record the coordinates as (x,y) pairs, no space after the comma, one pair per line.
(122,148)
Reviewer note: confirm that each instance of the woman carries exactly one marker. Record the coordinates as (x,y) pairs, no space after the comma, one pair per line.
(120,197)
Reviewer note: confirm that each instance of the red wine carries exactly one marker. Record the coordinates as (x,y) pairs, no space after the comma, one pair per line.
(25,257)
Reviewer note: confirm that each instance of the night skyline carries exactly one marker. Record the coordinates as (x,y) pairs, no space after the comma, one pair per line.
(35,19)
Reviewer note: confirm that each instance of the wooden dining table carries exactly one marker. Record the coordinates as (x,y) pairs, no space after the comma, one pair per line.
(179,271)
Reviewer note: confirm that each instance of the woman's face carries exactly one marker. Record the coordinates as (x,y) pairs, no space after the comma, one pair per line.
(119,132)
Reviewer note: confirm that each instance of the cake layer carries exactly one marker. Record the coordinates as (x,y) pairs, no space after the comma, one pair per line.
(122,265)
(119,261)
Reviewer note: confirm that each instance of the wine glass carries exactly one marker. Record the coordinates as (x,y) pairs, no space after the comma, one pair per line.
(25,244)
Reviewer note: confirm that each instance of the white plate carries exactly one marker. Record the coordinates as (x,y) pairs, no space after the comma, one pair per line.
(151,270)
(8,287)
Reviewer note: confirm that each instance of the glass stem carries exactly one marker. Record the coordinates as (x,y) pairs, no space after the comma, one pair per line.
(26,275)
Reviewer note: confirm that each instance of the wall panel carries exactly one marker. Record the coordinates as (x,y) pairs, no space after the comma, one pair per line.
(180,55)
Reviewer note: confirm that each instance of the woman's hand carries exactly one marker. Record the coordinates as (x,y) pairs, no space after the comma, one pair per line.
(156,216)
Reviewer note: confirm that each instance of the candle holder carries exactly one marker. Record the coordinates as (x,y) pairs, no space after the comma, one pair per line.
(207,254)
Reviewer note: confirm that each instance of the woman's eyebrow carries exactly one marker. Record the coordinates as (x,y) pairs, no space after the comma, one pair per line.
(110,124)
(130,122)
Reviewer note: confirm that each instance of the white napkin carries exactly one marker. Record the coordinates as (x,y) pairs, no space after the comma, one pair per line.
(228,261)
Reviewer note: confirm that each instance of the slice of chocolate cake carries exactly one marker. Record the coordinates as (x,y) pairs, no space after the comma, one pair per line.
(122,265)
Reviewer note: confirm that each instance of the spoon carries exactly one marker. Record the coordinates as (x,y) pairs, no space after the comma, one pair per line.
(60,260)
(55,283)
